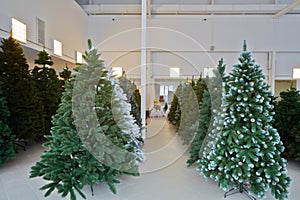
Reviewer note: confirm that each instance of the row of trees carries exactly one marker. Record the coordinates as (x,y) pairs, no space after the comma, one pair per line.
(31,97)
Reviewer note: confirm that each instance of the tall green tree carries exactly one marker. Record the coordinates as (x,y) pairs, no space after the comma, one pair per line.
(26,110)
(7,147)
(48,85)
(93,137)
(247,151)
(211,102)
(287,117)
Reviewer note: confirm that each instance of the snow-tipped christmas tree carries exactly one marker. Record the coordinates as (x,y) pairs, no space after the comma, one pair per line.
(214,90)
(48,85)
(93,137)
(7,147)
(287,117)
(133,97)
(246,155)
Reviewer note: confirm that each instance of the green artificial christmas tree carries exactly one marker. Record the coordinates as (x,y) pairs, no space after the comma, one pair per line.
(7,147)
(26,110)
(214,90)
(174,115)
(93,137)
(48,85)
(287,117)
(246,154)
(189,113)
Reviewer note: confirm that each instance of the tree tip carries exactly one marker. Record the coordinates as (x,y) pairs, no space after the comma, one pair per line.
(244,45)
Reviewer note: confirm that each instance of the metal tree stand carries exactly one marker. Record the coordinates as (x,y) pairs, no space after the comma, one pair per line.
(241,189)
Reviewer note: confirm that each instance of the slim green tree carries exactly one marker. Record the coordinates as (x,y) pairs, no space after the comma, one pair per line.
(246,154)
(93,137)
(48,85)
(7,147)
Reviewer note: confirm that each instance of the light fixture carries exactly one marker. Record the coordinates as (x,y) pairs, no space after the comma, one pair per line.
(57,47)
(174,72)
(18,30)
(78,57)
(117,71)
(296,73)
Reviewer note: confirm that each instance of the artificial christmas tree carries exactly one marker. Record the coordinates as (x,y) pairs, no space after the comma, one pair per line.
(19,90)
(295,145)
(175,110)
(48,85)
(246,154)
(133,97)
(7,147)
(189,113)
(212,95)
(287,117)
(93,137)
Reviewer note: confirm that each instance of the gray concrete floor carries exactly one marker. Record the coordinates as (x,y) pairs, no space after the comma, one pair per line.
(164,175)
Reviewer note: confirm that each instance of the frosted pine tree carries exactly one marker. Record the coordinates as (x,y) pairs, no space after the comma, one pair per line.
(246,155)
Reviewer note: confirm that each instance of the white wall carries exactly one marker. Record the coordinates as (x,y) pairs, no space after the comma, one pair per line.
(185,41)
(64,21)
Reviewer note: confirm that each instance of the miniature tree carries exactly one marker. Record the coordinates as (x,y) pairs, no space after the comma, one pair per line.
(93,137)
(286,118)
(48,85)
(7,147)
(246,154)
(65,75)
(19,90)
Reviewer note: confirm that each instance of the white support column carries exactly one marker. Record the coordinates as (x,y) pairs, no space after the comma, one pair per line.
(144,64)
(273,70)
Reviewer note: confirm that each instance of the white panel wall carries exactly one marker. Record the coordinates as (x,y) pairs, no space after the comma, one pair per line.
(64,21)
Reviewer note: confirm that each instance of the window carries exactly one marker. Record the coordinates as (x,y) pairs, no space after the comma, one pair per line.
(40,31)
(18,30)
(208,71)
(78,57)
(57,50)
(174,72)
(117,71)
(296,73)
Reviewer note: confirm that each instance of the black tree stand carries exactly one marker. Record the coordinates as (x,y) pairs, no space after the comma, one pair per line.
(240,189)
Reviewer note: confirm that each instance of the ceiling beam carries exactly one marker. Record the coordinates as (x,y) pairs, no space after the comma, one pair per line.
(286,9)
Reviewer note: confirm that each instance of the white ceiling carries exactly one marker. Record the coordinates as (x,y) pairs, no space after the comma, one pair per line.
(191,7)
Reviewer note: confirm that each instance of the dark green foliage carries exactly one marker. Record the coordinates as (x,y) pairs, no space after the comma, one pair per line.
(7,148)
(203,125)
(48,85)
(175,110)
(26,110)
(199,86)
(209,109)
(87,143)
(294,146)
(65,75)
(286,118)
(248,148)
